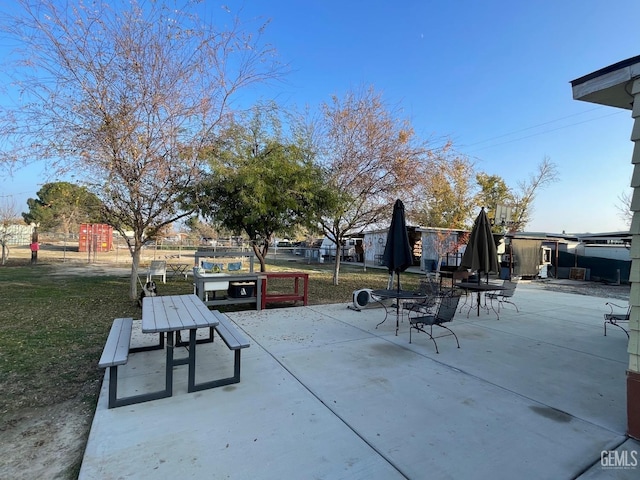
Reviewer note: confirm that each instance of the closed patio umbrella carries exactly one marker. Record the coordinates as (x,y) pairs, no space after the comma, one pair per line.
(481,255)
(398,255)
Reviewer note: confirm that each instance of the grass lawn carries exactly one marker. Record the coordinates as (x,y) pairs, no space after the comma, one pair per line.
(53,327)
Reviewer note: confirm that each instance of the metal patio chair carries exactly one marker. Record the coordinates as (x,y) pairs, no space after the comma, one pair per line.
(446,310)
(504,296)
(429,291)
(617,317)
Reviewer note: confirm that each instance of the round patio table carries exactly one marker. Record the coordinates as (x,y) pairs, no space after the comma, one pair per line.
(480,288)
(397,295)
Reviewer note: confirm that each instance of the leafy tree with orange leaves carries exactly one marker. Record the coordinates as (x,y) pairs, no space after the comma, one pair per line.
(371,156)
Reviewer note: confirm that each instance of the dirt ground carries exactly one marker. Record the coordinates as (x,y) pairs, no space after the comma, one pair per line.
(47,442)
(592,289)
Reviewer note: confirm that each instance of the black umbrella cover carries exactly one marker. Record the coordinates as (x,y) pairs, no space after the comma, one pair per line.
(480,254)
(397,255)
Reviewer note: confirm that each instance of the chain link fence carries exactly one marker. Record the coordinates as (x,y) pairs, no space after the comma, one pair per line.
(60,247)
(94,248)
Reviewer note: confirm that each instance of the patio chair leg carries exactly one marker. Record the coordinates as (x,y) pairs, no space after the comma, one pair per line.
(420,329)
(452,333)
(621,328)
(433,339)
(516,307)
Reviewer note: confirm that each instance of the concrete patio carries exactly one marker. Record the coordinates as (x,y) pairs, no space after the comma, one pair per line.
(324,394)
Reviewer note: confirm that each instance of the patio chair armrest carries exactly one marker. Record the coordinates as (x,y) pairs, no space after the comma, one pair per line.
(611,305)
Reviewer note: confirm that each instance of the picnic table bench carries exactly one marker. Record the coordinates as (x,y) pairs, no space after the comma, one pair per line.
(115,354)
(116,349)
(235,341)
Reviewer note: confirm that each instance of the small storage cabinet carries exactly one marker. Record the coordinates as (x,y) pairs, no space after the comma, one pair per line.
(241,289)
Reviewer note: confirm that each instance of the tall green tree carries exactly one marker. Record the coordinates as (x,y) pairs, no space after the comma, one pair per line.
(126,94)
(520,199)
(63,206)
(493,192)
(260,185)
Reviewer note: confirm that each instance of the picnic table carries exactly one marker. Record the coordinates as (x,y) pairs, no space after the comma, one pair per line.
(167,315)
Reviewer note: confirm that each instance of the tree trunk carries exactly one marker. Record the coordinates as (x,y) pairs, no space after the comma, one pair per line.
(261,257)
(336,268)
(135,263)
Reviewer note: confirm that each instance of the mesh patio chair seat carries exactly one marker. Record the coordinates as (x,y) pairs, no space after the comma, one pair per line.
(429,291)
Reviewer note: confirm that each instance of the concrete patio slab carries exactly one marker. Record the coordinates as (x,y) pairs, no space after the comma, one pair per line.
(539,393)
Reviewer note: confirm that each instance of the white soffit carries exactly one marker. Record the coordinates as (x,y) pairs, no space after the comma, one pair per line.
(610,85)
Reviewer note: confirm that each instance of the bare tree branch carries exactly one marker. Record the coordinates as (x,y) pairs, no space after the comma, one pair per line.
(624,208)
(371,157)
(125,95)
(8,216)
(524,196)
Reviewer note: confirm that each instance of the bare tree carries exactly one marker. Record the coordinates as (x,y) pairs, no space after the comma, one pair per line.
(371,157)
(525,194)
(624,208)
(447,242)
(126,94)
(8,217)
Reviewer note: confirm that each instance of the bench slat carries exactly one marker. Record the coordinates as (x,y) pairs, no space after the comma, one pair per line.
(116,348)
(231,336)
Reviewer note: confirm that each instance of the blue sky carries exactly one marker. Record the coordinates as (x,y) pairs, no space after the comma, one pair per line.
(492,76)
